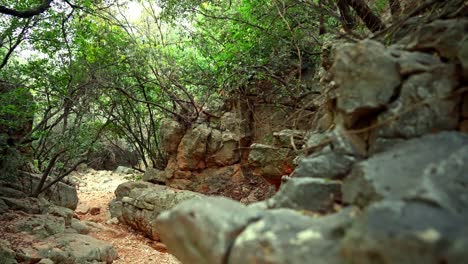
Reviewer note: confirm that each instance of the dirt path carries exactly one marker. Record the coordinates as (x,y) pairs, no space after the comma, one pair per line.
(96,190)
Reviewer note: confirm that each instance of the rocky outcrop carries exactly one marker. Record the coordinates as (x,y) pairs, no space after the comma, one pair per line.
(38,231)
(218,230)
(393,147)
(138,204)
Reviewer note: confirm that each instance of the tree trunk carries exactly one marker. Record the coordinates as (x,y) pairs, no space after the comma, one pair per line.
(371,20)
(347,19)
(395,8)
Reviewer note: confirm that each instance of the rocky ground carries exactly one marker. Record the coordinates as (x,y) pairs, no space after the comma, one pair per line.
(95,191)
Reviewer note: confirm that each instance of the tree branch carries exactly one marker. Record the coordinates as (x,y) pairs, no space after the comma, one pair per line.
(26,13)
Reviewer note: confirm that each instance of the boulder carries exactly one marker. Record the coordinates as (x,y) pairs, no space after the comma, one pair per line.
(140,206)
(285,138)
(40,226)
(171,135)
(422,106)
(413,232)
(3,207)
(218,230)
(367,77)
(7,256)
(317,195)
(270,162)
(205,229)
(192,148)
(28,204)
(285,236)
(124,170)
(431,168)
(230,122)
(155,176)
(326,164)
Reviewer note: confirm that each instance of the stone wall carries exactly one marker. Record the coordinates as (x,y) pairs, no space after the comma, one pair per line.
(383,177)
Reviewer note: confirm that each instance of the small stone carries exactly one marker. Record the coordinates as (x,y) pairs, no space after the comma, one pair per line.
(159,247)
(94,211)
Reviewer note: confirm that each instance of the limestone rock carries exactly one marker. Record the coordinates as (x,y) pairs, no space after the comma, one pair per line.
(318,195)
(285,236)
(155,176)
(286,137)
(79,227)
(171,135)
(367,77)
(406,233)
(205,229)
(7,256)
(270,162)
(124,170)
(192,148)
(28,204)
(422,106)
(140,206)
(431,168)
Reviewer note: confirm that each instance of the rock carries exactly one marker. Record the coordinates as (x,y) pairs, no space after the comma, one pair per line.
(270,162)
(113,221)
(463,56)
(286,137)
(218,230)
(325,164)
(28,204)
(125,188)
(389,228)
(154,175)
(192,148)
(115,208)
(443,36)
(464,126)
(142,205)
(46,261)
(285,236)
(3,207)
(230,122)
(367,77)
(10,192)
(59,194)
(7,256)
(65,213)
(159,247)
(228,153)
(79,226)
(431,168)
(41,226)
(95,211)
(171,135)
(416,118)
(317,195)
(414,62)
(464,111)
(205,229)
(82,209)
(79,248)
(124,170)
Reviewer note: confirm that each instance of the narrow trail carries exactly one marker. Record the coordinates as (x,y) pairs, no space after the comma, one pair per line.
(96,190)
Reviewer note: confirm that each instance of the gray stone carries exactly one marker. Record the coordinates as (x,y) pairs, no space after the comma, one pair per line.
(124,170)
(318,195)
(3,207)
(422,106)
(7,256)
(269,161)
(228,153)
(41,226)
(79,227)
(80,248)
(367,77)
(414,62)
(46,261)
(406,233)
(286,236)
(11,193)
(141,206)
(155,176)
(431,168)
(125,188)
(230,122)
(325,164)
(192,148)
(202,231)
(443,36)
(28,204)
(463,56)
(171,134)
(285,138)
